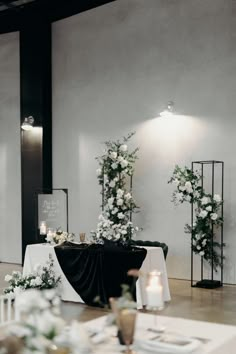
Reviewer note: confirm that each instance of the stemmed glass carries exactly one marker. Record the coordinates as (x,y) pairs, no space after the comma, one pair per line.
(127,320)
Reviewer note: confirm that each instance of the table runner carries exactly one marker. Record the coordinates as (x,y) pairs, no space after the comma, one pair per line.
(98,270)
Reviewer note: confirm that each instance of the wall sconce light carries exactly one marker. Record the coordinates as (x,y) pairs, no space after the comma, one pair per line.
(28,123)
(168,111)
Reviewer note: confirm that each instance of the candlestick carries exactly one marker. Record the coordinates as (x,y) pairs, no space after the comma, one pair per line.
(42,228)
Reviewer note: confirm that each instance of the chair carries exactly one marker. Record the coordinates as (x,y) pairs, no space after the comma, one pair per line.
(7,313)
(151,244)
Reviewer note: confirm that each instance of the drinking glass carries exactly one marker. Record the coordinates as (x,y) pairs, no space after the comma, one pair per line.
(127,320)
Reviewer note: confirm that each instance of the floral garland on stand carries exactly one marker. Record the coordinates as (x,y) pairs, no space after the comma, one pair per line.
(116,168)
(206,213)
(43,277)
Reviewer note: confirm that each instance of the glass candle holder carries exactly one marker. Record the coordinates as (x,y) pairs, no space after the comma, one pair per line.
(154,290)
(42,228)
(82,237)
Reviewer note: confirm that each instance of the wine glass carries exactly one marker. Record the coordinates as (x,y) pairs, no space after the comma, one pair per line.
(127,320)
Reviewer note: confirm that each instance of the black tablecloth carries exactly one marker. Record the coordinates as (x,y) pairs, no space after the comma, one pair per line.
(98,270)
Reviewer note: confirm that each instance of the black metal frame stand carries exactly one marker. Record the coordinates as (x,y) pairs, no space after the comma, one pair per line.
(209,283)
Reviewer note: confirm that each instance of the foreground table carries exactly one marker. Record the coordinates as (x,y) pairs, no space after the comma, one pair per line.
(215,338)
(39,253)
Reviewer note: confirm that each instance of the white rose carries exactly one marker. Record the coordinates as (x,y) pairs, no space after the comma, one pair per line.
(112,184)
(196,194)
(217,198)
(204,242)
(110,200)
(176,182)
(188,187)
(124,163)
(120,216)
(202,214)
(205,200)
(209,208)
(114,166)
(113,155)
(182,188)
(38,281)
(117,236)
(202,253)
(114,211)
(188,198)
(198,247)
(120,158)
(120,202)
(98,172)
(124,232)
(128,196)
(8,278)
(123,148)
(120,192)
(214,216)
(194,242)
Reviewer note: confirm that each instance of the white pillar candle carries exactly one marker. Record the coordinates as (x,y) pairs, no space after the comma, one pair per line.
(43,228)
(154,296)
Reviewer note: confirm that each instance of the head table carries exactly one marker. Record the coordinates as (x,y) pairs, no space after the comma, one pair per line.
(213,338)
(39,253)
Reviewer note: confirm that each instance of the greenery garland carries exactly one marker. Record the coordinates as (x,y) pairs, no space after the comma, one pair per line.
(116,167)
(207,217)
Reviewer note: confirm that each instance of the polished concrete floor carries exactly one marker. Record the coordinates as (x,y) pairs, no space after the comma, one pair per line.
(218,305)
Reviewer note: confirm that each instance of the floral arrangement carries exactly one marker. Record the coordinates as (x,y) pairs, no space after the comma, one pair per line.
(116,168)
(207,212)
(43,277)
(58,237)
(42,330)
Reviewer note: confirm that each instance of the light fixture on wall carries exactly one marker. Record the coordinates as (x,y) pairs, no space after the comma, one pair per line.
(168,111)
(28,123)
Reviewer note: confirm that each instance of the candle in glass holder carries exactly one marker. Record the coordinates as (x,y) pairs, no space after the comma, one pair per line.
(42,228)
(154,290)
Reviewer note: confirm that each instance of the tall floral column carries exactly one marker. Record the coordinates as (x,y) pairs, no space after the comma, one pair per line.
(116,168)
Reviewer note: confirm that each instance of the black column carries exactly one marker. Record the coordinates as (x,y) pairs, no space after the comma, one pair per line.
(35,97)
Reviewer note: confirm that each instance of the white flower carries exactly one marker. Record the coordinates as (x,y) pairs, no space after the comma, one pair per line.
(110,200)
(98,172)
(114,211)
(120,192)
(120,158)
(205,200)
(117,236)
(188,187)
(124,163)
(182,188)
(202,214)
(209,208)
(112,184)
(114,166)
(214,216)
(196,194)
(128,196)
(202,253)
(198,247)
(120,216)
(217,198)
(188,198)
(120,202)
(176,182)
(179,196)
(123,148)
(204,242)
(8,278)
(194,242)
(113,155)
(38,281)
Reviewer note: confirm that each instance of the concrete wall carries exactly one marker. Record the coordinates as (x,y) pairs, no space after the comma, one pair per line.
(113,70)
(10,167)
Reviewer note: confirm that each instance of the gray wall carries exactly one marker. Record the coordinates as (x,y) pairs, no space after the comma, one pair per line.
(113,70)
(10,168)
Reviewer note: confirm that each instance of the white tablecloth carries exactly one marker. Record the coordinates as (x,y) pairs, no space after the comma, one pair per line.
(219,338)
(39,253)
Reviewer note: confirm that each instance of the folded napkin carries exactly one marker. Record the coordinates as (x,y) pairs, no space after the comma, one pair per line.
(169,343)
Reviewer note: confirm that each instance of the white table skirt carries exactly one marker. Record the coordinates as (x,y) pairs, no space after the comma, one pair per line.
(221,338)
(39,253)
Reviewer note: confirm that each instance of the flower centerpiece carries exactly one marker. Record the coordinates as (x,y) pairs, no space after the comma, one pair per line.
(116,169)
(43,277)
(207,216)
(59,236)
